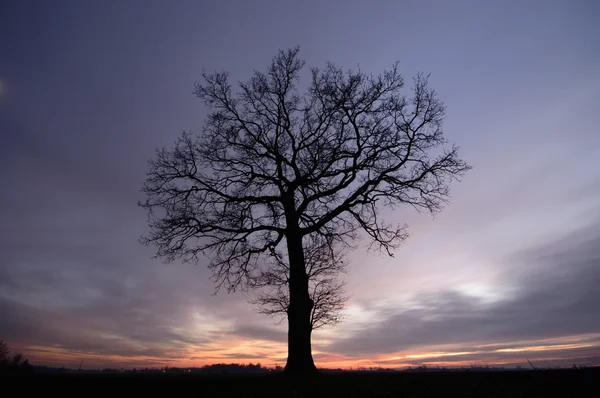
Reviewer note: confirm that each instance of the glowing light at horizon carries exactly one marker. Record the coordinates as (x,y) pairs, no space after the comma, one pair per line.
(271,354)
(546,348)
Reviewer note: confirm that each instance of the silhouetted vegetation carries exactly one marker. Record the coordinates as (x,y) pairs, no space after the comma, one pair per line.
(274,171)
(15,364)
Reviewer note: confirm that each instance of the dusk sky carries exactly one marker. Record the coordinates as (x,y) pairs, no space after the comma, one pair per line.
(508,271)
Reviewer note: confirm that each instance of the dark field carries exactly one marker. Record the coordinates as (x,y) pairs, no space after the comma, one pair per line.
(540,383)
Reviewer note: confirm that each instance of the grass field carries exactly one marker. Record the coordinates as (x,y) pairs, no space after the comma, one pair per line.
(539,383)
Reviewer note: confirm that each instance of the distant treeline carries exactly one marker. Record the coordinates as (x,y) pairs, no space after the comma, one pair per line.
(15,364)
(220,368)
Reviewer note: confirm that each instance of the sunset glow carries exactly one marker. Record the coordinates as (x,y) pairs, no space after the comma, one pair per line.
(558,352)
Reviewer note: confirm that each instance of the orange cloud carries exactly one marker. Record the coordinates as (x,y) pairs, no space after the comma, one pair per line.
(269,353)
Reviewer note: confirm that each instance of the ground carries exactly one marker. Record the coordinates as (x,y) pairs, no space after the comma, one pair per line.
(539,383)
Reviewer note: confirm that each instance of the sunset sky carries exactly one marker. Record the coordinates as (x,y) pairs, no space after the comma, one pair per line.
(509,271)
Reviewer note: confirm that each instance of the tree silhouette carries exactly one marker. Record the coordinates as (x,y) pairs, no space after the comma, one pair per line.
(4,352)
(273,168)
(323,264)
(16,364)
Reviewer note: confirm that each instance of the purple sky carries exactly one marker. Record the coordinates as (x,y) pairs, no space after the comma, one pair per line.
(88,90)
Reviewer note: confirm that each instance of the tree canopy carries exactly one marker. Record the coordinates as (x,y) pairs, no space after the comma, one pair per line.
(274,169)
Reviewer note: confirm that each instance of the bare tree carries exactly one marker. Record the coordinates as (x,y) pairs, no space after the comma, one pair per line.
(4,352)
(17,364)
(273,166)
(323,265)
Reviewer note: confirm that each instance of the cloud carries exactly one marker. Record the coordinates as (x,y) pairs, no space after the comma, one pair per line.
(72,273)
(555,294)
(235,355)
(254,332)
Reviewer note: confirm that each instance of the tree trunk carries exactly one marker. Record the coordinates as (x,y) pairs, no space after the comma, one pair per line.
(299,329)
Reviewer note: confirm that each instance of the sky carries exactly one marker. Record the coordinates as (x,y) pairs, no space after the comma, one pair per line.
(509,271)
